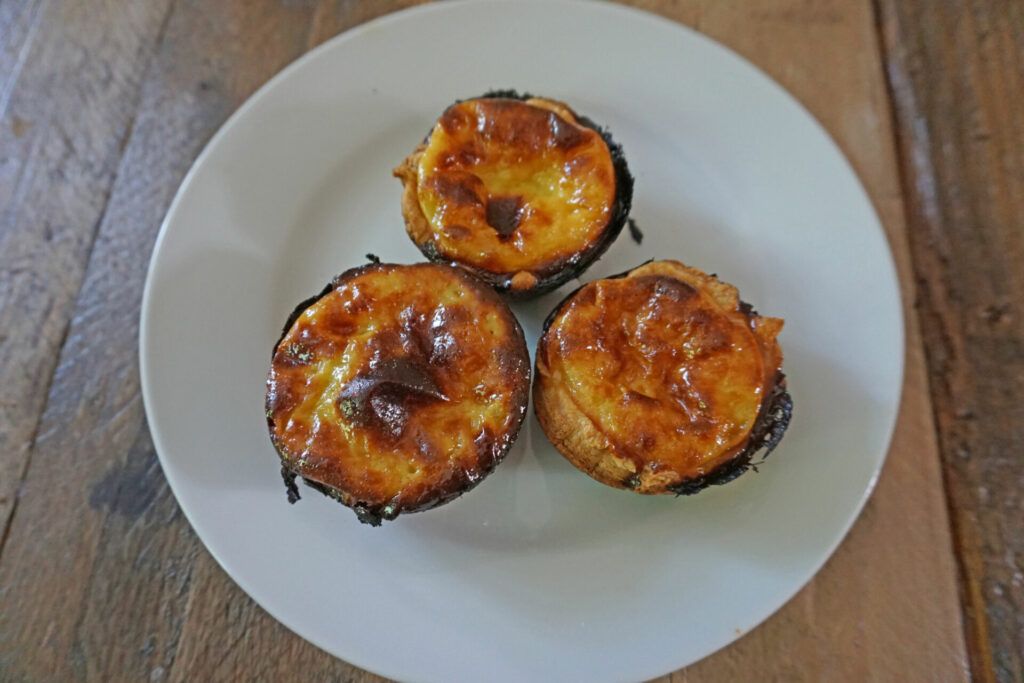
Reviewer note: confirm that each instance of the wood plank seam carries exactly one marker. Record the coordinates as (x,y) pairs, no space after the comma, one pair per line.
(927,144)
(51,370)
(975,630)
(9,522)
(19,63)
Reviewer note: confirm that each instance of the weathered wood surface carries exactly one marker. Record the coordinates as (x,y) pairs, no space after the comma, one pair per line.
(101,577)
(956,73)
(69,81)
(884,607)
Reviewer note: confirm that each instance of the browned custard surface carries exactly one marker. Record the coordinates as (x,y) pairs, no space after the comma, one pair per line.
(657,378)
(515,190)
(399,388)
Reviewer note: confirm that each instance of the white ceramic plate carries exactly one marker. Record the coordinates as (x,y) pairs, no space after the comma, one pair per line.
(539,573)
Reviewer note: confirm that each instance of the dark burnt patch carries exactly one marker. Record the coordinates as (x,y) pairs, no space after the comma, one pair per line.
(461,191)
(367,513)
(563,134)
(506,94)
(747,310)
(504,214)
(671,288)
(383,395)
(429,337)
(634,231)
(289,485)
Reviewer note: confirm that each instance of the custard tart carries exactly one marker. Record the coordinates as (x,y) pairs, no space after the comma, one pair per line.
(397,388)
(519,190)
(660,380)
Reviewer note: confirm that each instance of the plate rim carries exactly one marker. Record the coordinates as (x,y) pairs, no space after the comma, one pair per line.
(353,658)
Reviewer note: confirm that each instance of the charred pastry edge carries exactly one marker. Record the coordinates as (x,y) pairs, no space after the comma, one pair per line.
(559,273)
(371,514)
(769,426)
(635,233)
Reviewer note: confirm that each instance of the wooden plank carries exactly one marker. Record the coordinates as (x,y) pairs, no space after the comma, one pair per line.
(885,605)
(956,74)
(99,565)
(69,78)
(139,599)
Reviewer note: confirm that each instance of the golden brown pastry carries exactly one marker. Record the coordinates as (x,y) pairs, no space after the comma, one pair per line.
(660,380)
(519,190)
(397,388)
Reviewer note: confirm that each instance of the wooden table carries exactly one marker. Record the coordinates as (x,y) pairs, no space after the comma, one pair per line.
(105,104)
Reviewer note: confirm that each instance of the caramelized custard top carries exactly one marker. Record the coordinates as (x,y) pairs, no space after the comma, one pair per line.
(509,186)
(667,363)
(402,385)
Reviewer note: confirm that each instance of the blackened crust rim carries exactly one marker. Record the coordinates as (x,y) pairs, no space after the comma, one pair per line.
(455,486)
(769,427)
(558,273)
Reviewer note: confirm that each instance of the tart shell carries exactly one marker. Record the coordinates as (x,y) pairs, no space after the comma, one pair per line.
(537,280)
(391,401)
(578,433)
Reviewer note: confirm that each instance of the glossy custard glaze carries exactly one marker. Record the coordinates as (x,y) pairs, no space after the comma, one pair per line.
(665,369)
(515,190)
(399,388)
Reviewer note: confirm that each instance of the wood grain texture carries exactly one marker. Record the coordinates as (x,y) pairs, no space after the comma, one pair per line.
(885,606)
(102,578)
(19,21)
(99,565)
(70,73)
(956,72)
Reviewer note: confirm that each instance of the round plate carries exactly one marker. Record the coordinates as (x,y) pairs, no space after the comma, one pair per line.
(539,573)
